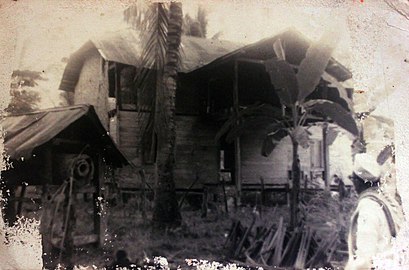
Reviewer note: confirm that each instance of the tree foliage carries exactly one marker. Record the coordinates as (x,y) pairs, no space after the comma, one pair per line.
(23,98)
(196,27)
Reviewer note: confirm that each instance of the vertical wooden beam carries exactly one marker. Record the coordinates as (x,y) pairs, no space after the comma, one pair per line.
(118,87)
(325,150)
(100,224)
(118,104)
(205,201)
(103,94)
(237,151)
(325,147)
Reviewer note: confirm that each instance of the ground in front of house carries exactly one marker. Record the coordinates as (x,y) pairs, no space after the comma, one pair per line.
(207,238)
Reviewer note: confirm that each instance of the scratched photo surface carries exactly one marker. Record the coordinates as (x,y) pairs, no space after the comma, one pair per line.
(204,134)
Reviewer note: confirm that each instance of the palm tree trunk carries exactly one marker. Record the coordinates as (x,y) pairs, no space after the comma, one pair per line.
(166,212)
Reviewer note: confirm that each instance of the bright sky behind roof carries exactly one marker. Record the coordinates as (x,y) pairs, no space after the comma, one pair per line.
(69,26)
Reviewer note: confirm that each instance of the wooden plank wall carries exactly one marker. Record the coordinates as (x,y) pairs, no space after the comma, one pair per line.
(131,127)
(92,86)
(274,168)
(196,152)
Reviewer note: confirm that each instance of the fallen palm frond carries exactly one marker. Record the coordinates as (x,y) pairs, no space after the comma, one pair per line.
(278,247)
(314,243)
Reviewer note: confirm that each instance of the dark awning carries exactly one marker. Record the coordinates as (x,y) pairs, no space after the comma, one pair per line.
(25,132)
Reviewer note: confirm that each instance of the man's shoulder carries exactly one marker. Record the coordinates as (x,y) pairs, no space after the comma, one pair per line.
(369,203)
(371,199)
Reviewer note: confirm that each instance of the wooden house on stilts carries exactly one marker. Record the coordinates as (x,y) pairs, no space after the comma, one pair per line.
(216,78)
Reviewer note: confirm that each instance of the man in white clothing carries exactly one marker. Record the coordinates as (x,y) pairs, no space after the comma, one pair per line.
(378,216)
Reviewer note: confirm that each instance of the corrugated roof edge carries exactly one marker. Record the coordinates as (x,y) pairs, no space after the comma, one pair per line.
(88,111)
(54,109)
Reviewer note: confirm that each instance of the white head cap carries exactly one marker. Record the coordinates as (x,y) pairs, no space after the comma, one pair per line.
(367,168)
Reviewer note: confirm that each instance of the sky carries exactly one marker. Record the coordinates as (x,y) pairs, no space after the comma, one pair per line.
(54,30)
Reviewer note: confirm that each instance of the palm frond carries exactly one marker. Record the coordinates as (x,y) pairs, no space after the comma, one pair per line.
(233,119)
(135,16)
(272,140)
(154,51)
(257,112)
(151,22)
(251,123)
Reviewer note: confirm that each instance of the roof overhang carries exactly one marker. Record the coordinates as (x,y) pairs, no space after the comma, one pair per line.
(26,132)
(125,47)
(295,45)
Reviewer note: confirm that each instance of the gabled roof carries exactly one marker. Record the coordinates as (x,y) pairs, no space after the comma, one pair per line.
(198,54)
(125,47)
(25,132)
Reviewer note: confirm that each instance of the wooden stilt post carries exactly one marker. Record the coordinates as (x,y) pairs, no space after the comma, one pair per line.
(226,207)
(21,200)
(204,202)
(237,157)
(325,150)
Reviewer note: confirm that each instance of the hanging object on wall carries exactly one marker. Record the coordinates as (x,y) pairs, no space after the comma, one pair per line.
(83,170)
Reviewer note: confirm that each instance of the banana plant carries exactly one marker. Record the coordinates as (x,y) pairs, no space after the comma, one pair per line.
(293,89)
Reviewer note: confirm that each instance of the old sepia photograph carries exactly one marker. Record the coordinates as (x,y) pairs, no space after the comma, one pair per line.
(204,134)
